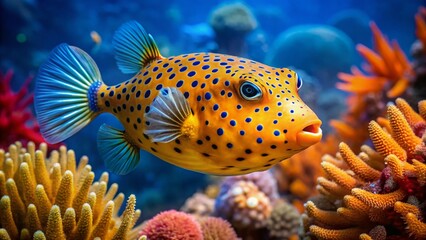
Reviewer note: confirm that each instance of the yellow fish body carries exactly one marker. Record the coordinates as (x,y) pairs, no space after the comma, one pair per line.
(206,112)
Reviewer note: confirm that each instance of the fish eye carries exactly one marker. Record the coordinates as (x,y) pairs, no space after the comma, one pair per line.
(250,91)
(299,82)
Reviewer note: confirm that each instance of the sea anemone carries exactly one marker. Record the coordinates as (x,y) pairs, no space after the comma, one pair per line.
(217,228)
(381,191)
(54,198)
(172,225)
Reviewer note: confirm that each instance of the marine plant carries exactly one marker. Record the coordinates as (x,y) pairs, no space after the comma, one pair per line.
(51,197)
(17,122)
(379,193)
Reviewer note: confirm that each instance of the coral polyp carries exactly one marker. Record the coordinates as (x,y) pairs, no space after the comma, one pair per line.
(380,191)
(52,197)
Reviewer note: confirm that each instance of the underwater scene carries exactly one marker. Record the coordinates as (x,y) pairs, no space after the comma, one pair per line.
(214,120)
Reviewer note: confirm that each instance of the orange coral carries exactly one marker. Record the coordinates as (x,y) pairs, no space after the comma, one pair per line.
(385,75)
(375,201)
(421,26)
(388,66)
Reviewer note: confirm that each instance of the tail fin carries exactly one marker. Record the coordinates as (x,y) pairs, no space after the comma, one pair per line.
(66,93)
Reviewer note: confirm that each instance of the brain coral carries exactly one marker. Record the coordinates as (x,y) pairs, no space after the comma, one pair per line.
(322,51)
(54,198)
(172,225)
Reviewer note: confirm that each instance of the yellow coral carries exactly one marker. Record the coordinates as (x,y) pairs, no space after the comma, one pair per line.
(401,130)
(52,198)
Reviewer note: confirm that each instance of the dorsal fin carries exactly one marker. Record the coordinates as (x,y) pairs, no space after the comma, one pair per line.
(134,47)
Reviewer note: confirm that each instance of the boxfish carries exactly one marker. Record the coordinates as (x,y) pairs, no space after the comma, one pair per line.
(206,112)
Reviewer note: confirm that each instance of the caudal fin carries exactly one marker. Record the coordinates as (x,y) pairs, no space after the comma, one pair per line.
(66,93)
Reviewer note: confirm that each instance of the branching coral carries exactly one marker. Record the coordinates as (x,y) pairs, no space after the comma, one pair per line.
(379,193)
(385,75)
(54,198)
(17,122)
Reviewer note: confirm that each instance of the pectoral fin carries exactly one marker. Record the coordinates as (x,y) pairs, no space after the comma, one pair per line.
(170,117)
(119,154)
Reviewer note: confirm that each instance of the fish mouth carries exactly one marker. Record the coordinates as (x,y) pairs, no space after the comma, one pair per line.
(310,134)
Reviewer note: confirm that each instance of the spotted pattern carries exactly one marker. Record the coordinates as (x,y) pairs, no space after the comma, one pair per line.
(236,136)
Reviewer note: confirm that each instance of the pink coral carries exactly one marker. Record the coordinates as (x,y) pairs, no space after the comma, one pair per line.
(172,225)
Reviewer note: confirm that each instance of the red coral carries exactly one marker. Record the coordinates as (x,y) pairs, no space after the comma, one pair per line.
(17,122)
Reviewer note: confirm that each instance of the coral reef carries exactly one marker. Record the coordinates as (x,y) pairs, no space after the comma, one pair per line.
(214,228)
(379,193)
(17,122)
(172,225)
(321,44)
(232,23)
(54,198)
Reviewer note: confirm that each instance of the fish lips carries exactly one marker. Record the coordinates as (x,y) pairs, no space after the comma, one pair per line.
(310,134)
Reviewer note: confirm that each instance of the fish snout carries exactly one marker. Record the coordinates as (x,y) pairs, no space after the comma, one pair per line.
(309,134)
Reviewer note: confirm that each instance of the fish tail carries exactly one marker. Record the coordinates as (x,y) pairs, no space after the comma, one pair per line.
(66,93)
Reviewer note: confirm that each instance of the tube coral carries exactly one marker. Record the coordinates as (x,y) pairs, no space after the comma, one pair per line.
(377,192)
(54,198)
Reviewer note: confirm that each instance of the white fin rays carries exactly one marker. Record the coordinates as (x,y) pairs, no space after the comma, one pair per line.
(167,113)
